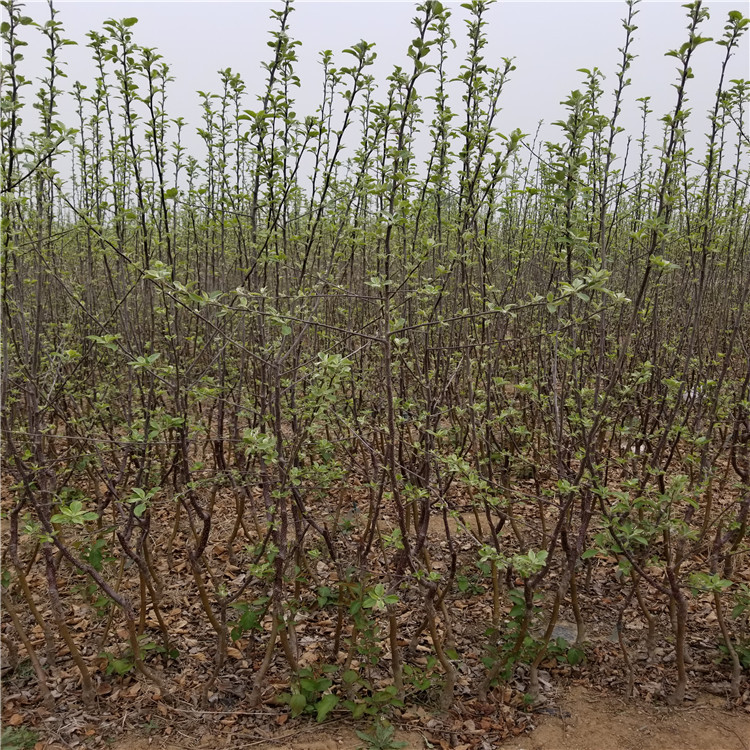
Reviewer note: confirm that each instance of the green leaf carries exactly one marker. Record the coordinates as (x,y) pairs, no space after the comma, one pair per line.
(120,666)
(325,705)
(357,709)
(308,685)
(297,703)
(575,656)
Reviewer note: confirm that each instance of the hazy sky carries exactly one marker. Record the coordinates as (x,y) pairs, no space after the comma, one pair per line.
(550,41)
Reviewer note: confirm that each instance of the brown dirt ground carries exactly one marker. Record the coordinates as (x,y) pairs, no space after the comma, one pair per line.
(586,720)
(592,721)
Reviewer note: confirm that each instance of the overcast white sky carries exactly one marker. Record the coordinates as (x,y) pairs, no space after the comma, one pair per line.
(550,41)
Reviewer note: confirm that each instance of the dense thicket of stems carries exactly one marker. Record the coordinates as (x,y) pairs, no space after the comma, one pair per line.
(274,366)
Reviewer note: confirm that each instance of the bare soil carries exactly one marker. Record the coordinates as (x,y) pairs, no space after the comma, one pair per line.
(589,720)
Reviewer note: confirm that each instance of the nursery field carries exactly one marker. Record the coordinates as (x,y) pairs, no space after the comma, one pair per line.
(374,418)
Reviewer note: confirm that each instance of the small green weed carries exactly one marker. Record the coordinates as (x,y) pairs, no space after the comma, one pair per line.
(311,697)
(19,738)
(381,738)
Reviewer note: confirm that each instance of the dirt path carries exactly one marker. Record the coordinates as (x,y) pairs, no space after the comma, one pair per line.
(589,721)
(585,720)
